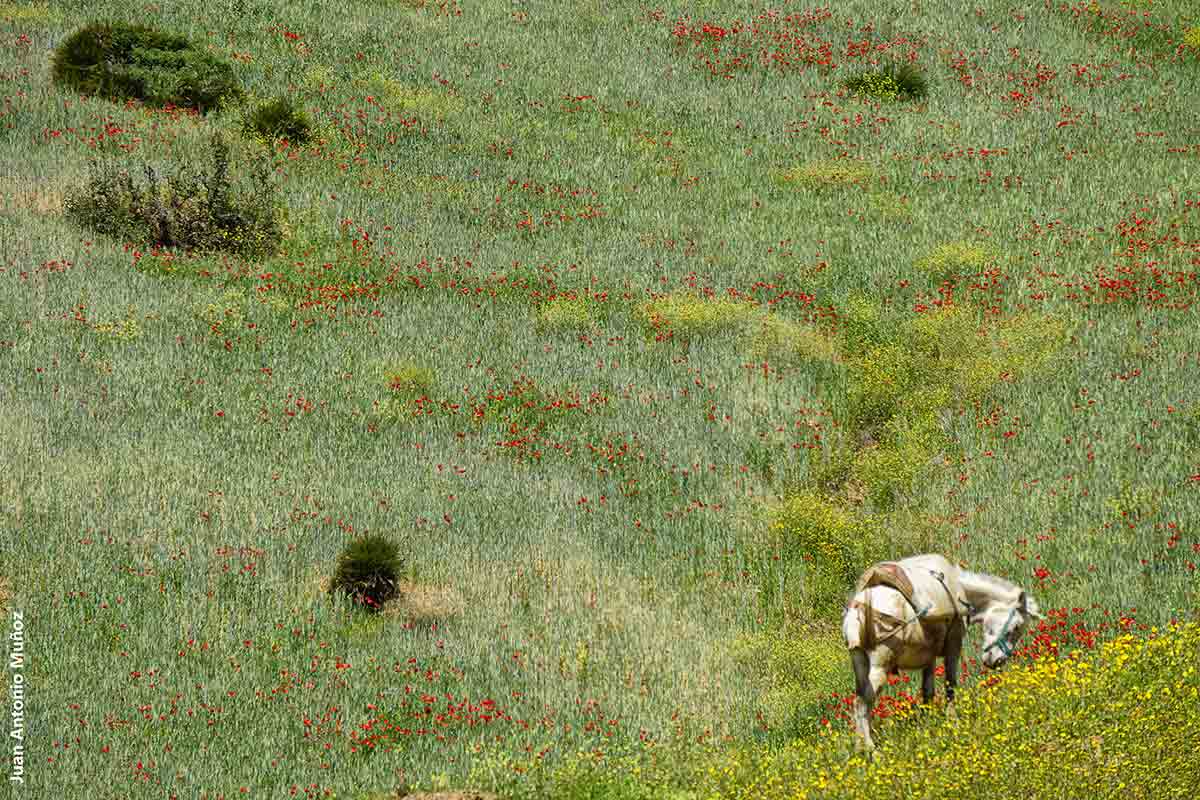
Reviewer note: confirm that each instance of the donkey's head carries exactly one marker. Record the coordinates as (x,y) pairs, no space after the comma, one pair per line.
(1003,626)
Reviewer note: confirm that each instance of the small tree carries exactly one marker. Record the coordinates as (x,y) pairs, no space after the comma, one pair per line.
(367,572)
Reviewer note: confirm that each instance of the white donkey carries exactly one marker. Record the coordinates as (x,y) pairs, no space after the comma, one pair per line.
(905,614)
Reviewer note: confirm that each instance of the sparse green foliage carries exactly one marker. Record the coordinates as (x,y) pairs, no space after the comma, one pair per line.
(119,61)
(189,211)
(798,670)
(827,173)
(368,571)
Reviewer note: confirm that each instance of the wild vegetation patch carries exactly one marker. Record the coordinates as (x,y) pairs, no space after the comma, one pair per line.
(822,548)
(893,82)
(279,119)
(962,326)
(202,210)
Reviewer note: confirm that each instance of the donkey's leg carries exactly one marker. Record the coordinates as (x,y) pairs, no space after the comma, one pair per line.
(927,684)
(950,659)
(864,696)
(868,678)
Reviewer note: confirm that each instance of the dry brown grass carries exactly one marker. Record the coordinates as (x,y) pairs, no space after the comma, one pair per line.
(424,603)
(15,196)
(418,602)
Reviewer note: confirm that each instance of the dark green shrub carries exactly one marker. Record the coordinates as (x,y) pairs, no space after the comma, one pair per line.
(367,572)
(119,62)
(198,211)
(279,119)
(892,82)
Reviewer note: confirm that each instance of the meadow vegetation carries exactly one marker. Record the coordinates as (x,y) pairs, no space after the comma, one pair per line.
(599,348)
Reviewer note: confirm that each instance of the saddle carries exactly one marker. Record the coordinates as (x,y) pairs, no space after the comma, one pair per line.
(933,600)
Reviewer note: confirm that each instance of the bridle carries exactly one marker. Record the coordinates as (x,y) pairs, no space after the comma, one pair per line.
(1002,639)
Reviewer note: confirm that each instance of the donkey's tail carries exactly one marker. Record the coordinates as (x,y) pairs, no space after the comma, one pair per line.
(858,625)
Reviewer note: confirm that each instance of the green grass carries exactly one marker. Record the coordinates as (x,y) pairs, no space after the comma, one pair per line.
(569,313)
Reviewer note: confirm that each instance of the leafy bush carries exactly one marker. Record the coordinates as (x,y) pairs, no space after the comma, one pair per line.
(279,119)
(893,82)
(823,548)
(196,211)
(952,259)
(118,61)
(367,571)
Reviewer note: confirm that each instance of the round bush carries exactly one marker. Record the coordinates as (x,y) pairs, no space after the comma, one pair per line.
(280,119)
(121,62)
(367,572)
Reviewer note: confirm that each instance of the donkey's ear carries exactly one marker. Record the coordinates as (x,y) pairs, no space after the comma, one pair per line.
(1029,607)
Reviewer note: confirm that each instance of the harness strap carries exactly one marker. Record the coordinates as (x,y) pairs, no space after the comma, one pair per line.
(941,578)
(869,640)
(1002,639)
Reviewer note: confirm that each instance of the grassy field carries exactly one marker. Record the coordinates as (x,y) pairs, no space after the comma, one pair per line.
(641,335)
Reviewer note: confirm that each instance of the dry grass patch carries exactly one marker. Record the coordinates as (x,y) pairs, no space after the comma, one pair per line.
(17,196)
(419,602)
(422,602)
